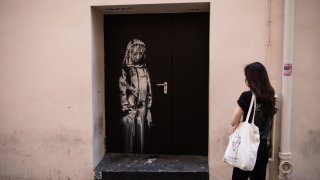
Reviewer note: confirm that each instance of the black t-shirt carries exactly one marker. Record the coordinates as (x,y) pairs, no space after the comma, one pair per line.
(261,120)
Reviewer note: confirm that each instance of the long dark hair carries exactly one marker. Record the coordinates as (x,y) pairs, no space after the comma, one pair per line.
(258,82)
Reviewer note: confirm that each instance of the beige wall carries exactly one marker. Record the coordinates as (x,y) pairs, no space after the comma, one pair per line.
(98,93)
(306,87)
(239,36)
(46,90)
(52,96)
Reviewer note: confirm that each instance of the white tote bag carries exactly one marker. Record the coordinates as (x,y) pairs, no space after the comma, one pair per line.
(243,144)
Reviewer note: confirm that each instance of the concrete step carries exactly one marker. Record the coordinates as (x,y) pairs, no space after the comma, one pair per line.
(118,166)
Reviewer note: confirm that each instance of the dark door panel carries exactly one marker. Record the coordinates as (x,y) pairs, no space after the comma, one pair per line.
(177,53)
(190,65)
(155,32)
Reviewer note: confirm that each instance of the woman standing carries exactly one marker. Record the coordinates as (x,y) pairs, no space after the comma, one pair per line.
(258,82)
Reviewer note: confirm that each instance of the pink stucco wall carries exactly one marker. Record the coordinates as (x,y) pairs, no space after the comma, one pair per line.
(306,86)
(46,87)
(239,37)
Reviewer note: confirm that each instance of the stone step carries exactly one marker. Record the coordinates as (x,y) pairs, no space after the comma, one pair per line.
(118,166)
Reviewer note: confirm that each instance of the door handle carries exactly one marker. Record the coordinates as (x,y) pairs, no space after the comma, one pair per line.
(165,87)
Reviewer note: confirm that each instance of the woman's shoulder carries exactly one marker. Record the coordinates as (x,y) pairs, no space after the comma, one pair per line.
(246,94)
(244,100)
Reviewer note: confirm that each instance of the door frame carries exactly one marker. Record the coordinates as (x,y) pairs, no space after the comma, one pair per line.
(98,10)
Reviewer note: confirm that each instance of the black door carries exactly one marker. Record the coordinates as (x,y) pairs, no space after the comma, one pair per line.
(177,50)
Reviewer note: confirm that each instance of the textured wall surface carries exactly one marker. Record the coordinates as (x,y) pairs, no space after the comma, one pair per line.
(239,32)
(46,96)
(306,85)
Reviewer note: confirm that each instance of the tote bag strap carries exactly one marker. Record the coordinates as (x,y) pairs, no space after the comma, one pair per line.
(252,103)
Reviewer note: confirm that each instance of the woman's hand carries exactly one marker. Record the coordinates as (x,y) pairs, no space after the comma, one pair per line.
(233,128)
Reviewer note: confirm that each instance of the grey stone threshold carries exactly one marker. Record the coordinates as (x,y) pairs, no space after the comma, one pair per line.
(118,166)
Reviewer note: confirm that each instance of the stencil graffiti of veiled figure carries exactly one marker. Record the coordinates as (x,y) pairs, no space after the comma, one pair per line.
(136,97)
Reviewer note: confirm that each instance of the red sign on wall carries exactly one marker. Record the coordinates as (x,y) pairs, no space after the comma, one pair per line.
(287,70)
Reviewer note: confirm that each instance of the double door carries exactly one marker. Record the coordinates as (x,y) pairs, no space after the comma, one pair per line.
(177,60)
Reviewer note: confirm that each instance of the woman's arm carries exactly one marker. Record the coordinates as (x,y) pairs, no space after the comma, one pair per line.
(236,117)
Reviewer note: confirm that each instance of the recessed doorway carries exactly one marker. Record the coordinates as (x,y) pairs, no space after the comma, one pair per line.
(167,88)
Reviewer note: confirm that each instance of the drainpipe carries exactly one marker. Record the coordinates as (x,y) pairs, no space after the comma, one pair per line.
(286,167)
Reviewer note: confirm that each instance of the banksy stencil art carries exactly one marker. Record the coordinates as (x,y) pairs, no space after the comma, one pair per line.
(136,97)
